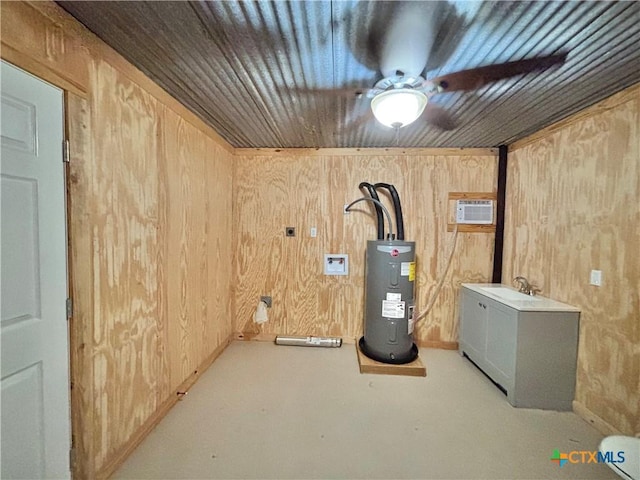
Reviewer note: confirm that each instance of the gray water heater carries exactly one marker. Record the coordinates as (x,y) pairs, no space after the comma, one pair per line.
(389,301)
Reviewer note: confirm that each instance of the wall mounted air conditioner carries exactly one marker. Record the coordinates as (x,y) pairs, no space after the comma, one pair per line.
(478,212)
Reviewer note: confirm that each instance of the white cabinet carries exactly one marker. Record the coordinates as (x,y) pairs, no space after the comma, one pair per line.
(530,354)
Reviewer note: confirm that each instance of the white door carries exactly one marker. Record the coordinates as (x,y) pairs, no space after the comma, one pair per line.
(35,360)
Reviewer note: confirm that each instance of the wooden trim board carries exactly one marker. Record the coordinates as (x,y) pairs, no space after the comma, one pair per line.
(594,420)
(299,152)
(440,345)
(471,228)
(413,369)
(134,441)
(473,196)
(254,337)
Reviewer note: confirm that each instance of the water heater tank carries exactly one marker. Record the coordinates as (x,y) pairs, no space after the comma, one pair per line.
(389,302)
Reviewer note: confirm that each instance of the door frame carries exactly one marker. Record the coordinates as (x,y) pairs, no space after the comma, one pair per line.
(76,134)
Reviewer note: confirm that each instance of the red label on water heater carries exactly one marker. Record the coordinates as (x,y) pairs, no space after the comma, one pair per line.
(395,252)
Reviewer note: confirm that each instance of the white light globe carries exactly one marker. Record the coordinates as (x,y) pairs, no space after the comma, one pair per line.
(399,107)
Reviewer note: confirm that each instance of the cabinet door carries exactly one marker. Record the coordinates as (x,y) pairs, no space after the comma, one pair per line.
(473,326)
(502,327)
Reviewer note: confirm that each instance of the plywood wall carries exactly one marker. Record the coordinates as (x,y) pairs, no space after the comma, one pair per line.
(305,189)
(167,259)
(573,205)
(198,178)
(150,203)
(125,252)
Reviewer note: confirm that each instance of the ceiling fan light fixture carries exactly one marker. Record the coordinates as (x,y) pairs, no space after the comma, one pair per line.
(398,107)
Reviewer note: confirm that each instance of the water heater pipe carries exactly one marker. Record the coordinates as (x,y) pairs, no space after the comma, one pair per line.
(373,194)
(397,207)
(379,203)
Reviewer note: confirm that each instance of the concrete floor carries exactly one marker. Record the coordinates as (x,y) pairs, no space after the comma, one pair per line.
(267,411)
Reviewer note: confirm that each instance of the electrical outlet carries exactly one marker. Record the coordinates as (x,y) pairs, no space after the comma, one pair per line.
(267,300)
(313,232)
(596,278)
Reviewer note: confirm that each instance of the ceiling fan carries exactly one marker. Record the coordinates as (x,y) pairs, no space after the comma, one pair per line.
(402,40)
(400,99)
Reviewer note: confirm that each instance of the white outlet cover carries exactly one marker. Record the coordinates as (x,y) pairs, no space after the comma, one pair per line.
(596,278)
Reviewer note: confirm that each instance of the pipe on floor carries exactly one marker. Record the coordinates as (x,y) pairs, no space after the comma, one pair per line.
(309,341)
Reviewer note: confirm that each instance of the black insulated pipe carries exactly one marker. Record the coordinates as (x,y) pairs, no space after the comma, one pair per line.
(397,207)
(373,194)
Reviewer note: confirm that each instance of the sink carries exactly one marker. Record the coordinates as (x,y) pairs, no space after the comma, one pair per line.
(522,302)
(509,294)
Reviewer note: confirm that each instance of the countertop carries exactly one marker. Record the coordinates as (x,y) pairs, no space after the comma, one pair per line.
(537,303)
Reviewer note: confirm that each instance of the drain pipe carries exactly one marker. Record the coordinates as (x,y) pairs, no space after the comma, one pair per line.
(500,206)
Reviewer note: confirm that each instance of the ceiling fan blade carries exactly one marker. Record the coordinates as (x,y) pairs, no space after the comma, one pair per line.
(361,120)
(341,92)
(478,77)
(407,39)
(438,117)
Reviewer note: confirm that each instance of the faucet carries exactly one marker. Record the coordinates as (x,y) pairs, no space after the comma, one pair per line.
(524,286)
